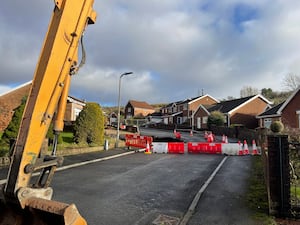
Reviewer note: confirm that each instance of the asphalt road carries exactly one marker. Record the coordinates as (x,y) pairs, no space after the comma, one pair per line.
(140,189)
(135,189)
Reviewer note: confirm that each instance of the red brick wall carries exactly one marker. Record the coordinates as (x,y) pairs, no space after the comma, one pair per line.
(246,114)
(289,116)
(9,102)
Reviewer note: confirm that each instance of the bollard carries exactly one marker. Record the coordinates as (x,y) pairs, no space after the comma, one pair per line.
(106,145)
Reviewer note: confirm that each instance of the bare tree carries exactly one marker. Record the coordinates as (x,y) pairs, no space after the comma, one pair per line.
(248,91)
(291,82)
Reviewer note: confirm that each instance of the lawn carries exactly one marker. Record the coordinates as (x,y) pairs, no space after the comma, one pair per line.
(257,197)
(67,137)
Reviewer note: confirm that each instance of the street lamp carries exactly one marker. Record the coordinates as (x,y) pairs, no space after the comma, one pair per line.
(119,108)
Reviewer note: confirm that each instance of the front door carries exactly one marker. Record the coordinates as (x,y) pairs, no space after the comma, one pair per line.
(198,122)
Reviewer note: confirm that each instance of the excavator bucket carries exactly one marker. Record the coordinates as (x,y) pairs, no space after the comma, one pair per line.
(40,211)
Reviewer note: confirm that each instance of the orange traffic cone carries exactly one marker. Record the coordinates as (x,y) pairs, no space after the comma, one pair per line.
(245,149)
(226,139)
(210,138)
(191,133)
(254,148)
(240,151)
(223,138)
(147,150)
(205,134)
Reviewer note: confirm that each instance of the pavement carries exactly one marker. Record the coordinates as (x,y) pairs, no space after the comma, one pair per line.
(222,202)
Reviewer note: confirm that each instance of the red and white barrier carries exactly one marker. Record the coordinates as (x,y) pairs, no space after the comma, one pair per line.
(230,148)
(160,147)
(176,147)
(203,147)
(206,147)
(133,140)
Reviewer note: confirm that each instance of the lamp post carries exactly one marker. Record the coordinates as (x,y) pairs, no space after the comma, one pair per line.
(119,108)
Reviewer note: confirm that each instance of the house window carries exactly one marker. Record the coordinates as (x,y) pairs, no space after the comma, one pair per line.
(129,109)
(267,122)
(76,112)
(204,119)
(185,107)
(179,120)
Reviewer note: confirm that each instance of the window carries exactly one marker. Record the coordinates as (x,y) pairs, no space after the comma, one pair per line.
(179,120)
(204,119)
(185,106)
(76,112)
(129,109)
(267,122)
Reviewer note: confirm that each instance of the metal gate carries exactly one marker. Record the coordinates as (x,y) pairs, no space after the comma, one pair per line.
(294,155)
(283,176)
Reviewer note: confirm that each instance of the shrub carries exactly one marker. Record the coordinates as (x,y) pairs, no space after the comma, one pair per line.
(12,129)
(89,125)
(277,126)
(216,118)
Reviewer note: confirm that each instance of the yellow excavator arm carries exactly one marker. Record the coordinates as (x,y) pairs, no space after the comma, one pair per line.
(47,97)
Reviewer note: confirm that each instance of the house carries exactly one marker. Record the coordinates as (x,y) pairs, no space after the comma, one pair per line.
(10,100)
(242,111)
(288,112)
(182,111)
(154,118)
(137,109)
(113,119)
(74,107)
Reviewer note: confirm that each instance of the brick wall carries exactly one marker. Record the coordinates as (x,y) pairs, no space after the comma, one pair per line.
(9,102)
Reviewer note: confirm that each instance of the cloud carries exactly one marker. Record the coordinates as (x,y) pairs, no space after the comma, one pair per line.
(176,48)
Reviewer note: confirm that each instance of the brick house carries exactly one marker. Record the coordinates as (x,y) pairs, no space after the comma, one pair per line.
(10,100)
(112,119)
(136,108)
(242,111)
(288,112)
(74,107)
(182,111)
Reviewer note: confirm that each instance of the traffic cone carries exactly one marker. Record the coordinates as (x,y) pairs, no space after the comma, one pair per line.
(223,138)
(210,138)
(240,151)
(205,134)
(254,148)
(245,149)
(191,133)
(147,150)
(226,139)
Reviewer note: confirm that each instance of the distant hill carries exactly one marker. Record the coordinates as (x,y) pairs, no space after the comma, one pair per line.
(109,110)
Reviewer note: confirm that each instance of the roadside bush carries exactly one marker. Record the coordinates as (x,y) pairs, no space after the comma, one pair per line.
(50,135)
(89,125)
(216,118)
(277,127)
(12,129)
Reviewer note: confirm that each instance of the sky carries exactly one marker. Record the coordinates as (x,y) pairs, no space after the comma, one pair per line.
(176,49)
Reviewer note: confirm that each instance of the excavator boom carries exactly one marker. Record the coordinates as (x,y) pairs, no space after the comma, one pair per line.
(50,85)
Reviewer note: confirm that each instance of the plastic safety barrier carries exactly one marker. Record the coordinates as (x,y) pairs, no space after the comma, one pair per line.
(133,140)
(160,147)
(176,147)
(230,148)
(203,147)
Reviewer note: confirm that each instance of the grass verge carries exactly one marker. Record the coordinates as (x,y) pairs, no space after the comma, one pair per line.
(257,197)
